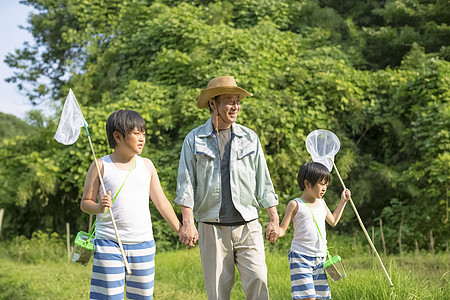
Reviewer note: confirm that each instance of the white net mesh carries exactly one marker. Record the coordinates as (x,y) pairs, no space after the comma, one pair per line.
(71,121)
(323,145)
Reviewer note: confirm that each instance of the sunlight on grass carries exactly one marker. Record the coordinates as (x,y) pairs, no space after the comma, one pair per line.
(179,276)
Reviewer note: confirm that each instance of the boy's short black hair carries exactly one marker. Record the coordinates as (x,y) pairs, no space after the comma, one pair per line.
(123,121)
(313,172)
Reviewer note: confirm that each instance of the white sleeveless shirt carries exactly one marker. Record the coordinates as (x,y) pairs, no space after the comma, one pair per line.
(306,239)
(131,207)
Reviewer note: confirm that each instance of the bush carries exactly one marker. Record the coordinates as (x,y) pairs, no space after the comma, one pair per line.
(42,247)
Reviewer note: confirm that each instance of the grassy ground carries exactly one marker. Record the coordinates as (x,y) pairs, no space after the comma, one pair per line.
(179,276)
(37,268)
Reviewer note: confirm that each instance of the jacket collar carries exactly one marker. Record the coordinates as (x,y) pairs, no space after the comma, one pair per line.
(206,129)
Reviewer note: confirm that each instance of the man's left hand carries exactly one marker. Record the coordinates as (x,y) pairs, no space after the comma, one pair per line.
(272,231)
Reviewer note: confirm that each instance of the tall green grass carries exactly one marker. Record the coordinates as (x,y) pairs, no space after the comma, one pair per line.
(38,269)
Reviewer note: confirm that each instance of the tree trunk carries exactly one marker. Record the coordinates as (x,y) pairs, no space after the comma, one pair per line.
(2,211)
(431,241)
(382,238)
(68,240)
(399,241)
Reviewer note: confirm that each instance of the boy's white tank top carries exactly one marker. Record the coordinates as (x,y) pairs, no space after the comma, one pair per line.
(306,239)
(131,207)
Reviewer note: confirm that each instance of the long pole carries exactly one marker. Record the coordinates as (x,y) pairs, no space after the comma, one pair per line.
(362,226)
(125,261)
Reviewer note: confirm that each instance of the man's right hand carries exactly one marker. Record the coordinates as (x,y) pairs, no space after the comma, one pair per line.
(188,234)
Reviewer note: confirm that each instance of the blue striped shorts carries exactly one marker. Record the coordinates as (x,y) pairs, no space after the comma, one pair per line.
(308,278)
(109,274)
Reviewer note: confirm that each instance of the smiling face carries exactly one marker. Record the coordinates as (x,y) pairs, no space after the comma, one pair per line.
(227,108)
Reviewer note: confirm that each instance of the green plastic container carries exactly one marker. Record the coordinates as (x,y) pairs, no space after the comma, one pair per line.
(335,268)
(83,248)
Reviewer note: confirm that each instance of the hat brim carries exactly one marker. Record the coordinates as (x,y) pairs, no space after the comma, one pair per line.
(207,94)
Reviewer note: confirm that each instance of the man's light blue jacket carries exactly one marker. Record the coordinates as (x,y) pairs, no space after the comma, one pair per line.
(199,183)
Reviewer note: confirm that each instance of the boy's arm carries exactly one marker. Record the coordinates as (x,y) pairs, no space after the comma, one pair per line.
(160,200)
(291,210)
(88,202)
(334,218)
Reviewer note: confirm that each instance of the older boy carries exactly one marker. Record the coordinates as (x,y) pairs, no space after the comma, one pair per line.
(125,130)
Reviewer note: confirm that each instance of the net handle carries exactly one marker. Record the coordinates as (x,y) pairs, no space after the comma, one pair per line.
(363,228)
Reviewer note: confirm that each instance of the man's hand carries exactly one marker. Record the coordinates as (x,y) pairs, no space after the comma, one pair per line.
(273,228)
(272,232)
(188,235)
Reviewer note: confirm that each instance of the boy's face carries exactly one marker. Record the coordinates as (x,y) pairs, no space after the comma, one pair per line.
(319,189)
(134,140)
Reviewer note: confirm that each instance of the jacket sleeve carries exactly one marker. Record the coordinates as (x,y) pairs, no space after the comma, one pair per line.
(186,181)
(265,192)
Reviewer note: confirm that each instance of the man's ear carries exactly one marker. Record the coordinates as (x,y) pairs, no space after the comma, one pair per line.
(212,104)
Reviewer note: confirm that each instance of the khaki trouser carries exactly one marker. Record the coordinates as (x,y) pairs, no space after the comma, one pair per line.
(221,247)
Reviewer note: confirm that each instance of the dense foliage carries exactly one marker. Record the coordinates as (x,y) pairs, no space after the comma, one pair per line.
(375,73)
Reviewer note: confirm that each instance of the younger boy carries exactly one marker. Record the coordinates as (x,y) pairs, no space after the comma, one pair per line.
(308,249)
(125,130)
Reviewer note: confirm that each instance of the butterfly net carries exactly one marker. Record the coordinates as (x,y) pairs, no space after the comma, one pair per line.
(323,145)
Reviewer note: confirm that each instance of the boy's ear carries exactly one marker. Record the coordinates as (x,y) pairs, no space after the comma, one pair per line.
(117,136)
(307,184)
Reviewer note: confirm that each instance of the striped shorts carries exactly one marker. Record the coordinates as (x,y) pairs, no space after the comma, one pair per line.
(308,278)
(109,274)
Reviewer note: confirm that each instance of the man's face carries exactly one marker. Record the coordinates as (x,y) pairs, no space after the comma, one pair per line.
(228,108)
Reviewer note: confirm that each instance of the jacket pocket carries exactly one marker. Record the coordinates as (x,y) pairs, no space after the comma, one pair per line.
(242,153)
(204,160)
(245,159)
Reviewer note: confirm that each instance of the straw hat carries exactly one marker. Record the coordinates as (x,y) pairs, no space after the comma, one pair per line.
(220,86)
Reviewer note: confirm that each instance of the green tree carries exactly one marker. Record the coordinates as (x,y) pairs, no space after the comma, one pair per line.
(11,126)
(310,64)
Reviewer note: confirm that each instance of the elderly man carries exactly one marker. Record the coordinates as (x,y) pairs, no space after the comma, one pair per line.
(222,180)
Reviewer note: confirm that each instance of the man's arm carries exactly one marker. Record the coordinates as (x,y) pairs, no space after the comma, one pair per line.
(273,228)
(185,194)
(266,194)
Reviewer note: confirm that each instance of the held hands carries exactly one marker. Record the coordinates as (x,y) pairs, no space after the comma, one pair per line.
(188,235)
(272,232)
(346,194)
(104,202)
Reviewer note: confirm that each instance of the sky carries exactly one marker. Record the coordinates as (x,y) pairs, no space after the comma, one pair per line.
(12,101)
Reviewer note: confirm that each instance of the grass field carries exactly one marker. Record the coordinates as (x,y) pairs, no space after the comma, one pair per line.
(179,276)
